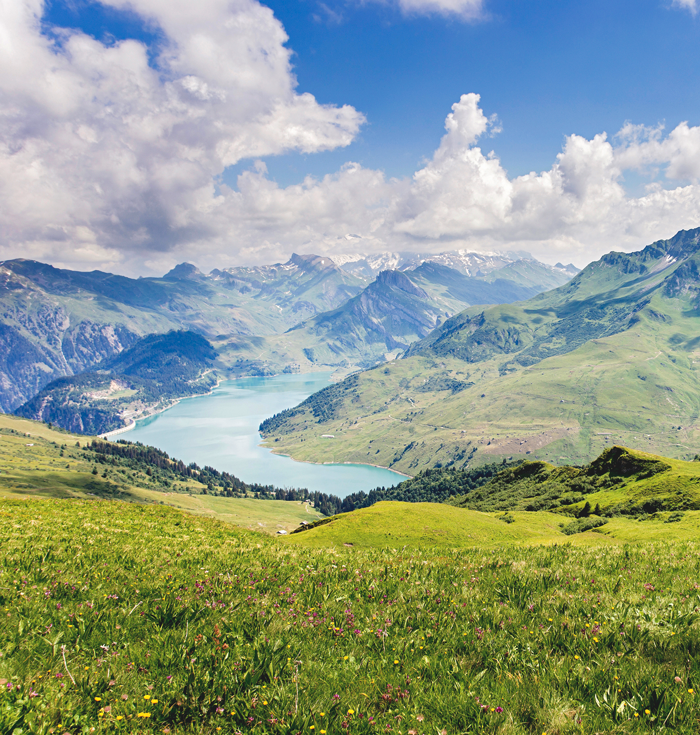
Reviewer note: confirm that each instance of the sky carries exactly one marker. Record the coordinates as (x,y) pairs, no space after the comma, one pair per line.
(137,134)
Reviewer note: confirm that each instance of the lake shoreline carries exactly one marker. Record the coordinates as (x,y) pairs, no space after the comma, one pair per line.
(175,401)
(337,464)
(220,429)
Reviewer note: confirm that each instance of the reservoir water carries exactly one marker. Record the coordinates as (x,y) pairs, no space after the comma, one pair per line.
(221,430)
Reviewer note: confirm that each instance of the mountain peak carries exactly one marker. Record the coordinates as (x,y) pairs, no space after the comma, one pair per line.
(399,280)
(183,271)
(311,262)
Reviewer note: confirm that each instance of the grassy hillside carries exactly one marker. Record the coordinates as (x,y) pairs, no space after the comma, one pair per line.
(609,358)
(125,617)
(414,526)
(619,482)
(39,462)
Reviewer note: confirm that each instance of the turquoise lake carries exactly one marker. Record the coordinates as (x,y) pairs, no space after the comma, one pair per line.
(221,430)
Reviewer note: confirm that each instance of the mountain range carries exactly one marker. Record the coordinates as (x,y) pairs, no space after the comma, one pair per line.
(58,323)
(611,357)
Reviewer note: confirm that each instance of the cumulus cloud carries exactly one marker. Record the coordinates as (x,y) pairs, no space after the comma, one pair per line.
(107,160)
(95,140)
(463,197)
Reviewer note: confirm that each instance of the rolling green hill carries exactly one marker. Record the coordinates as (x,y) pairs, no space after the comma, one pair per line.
(609,358)
(623,495)
(619,482)
(396,525)
(39,461)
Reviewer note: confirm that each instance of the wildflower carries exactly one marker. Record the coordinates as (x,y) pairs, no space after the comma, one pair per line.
(351,711)
(98,699)
(144,714)
(119,717)
(499,710)
(396,661)
(154,701)
(647,712)
(690,691)
(313,727)
(576,657)
(323,732)
(146,696)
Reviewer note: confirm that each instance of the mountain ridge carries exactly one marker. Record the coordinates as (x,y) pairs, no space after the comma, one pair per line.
(611,356)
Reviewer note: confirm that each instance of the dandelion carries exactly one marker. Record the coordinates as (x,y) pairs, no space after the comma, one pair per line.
(351,711)
(576,657)
(690,691)
(98,699)
(647,711)
(154,701)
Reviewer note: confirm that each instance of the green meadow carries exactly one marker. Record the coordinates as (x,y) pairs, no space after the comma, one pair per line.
(120,617)
(38,461)
(435,525)
(135,601)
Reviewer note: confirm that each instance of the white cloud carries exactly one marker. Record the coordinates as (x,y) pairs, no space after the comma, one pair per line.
(466,9)
(107,162)
(92,136)
(691,5)
(462,197)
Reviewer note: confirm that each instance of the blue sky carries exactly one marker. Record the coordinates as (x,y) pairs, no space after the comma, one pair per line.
(555,74)
(547,68)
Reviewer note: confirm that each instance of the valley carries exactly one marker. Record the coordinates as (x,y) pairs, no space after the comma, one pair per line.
(608,358)
(304,315)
